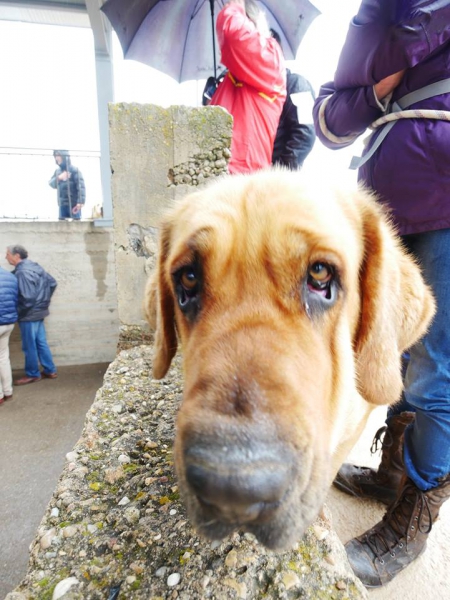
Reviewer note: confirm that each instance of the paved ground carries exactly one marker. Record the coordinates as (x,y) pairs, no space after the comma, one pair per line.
(37,429)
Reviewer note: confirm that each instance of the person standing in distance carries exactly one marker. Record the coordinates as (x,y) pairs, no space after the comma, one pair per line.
(69,184)
(36,288)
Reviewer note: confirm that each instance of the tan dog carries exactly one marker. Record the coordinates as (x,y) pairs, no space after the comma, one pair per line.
(293,306)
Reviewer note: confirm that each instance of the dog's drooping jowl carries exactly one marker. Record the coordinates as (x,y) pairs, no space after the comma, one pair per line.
(292,303)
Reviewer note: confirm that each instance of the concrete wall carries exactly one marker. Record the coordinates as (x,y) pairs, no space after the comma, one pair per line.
(157,155)
(83,325)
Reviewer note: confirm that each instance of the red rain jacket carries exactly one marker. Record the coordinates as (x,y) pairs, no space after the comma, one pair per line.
(253,91)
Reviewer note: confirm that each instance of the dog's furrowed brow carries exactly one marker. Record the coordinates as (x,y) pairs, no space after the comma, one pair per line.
(193,246)
(200,241)
(301,245)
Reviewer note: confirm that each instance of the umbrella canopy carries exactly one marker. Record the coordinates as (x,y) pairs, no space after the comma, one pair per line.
(177,36)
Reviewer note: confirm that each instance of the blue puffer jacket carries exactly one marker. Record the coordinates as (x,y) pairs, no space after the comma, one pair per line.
(8,297)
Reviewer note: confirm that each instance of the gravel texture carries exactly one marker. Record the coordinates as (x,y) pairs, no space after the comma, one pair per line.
(116,527)
(202,166)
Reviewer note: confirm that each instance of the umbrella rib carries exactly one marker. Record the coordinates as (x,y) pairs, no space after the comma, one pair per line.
(200,3)
(197,7)
(280,29)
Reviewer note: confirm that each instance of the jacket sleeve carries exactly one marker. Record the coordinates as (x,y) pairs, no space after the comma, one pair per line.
(250,57)
(386,37)
(81,188)
(53,181)
(298,146)
(52,283)
(296,139)
(341,116)
(383,38)
(296,132)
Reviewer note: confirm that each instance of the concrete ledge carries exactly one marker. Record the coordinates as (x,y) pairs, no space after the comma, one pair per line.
(116,528)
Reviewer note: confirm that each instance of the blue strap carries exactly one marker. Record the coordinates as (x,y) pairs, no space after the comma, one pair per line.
(428,91)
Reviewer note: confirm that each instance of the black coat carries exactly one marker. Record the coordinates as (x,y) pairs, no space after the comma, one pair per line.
(74,188)
(36,288)
(293,140)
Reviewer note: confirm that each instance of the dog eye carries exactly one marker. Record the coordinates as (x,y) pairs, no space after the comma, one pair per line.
(188,280)
(320,288)
(319,276)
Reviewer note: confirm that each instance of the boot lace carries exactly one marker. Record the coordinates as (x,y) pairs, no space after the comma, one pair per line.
(383,432)
(409,512)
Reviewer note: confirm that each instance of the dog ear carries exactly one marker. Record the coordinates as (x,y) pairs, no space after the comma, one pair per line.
(160,311)
(150,300)
(396,308)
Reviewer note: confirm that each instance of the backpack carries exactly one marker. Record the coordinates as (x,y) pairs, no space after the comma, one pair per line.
(211,85)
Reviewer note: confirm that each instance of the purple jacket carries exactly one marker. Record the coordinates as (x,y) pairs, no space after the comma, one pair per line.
(411,168)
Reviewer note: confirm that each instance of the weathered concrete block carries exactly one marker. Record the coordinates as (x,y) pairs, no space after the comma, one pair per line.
(157,155)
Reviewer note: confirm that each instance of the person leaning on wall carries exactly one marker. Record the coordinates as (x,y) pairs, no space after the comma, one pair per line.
(396,63)
(70,187)
(36,288)
(8,316)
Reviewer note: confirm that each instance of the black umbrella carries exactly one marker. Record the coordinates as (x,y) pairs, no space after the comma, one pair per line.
(177,37)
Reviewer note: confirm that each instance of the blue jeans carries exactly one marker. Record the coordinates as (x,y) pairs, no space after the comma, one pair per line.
(65,213)
(427,372)
(35,348)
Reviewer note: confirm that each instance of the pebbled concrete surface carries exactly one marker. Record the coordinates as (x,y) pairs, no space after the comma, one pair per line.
(38,427)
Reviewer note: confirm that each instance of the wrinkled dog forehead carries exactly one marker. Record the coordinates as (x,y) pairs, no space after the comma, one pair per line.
(386,298)
(275,210)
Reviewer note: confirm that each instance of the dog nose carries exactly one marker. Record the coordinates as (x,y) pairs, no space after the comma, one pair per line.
(238,488)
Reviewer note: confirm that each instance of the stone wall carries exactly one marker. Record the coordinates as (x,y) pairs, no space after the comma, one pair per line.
(116,527)
(83,325)
(157,155)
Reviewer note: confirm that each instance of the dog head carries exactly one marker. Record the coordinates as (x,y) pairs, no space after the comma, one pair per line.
(292,305)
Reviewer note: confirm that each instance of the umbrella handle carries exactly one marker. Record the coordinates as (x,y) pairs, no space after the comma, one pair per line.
(211,4)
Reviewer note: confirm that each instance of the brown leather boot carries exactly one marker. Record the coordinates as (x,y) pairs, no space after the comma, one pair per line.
(381,553)
(382,484)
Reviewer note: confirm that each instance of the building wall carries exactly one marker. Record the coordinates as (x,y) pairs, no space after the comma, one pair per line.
(83,325)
